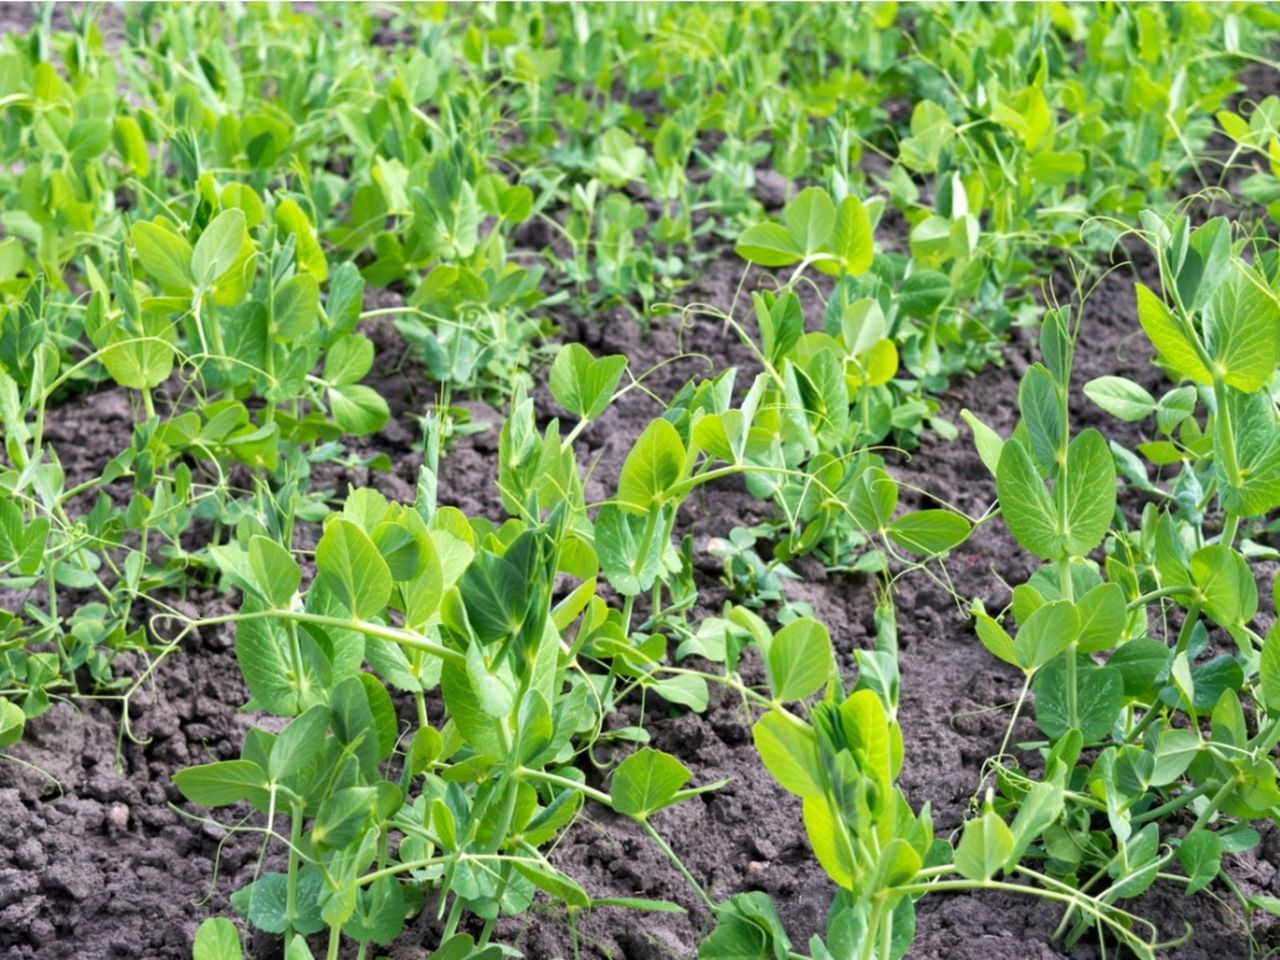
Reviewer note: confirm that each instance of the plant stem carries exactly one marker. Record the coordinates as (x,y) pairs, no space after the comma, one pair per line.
(1216,801)
(1177,803)
(677,863)
(291,883)
(404,638)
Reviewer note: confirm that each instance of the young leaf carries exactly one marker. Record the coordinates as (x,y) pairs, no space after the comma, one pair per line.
(218,247)
(929,532)
(1169,338)
(651,468)
(646,782)
(1200,854)
(12,722)
(1268,670)
(769,245)
(988,443)
(799,659)
(1121,398)
(1038,810)
(984,847)
(853,240)
(810,219)
(1241,326)
(295,308)
(789,751)
(351,566)
(275,571)
(1024,501)
(1256,434)
(164,254)
(217,939)
(583,384)
(222,783)
(1223,577)
(1091,492)
(299,743)
(1045,634)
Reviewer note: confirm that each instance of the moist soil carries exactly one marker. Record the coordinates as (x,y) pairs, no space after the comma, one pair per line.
(100,857)
(103,858)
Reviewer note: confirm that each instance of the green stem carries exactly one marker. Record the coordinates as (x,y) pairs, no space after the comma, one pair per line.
(677,863)
(291,882)
(1174,805)
(1171,591)
(589,792)
(1148,718)
(404,638)
(1229,527)
(1216,801)
(1188,627)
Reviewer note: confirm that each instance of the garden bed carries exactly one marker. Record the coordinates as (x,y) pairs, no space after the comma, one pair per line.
(104,859)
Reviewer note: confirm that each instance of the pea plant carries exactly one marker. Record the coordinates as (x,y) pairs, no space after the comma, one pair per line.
(841,755)
(1166,735)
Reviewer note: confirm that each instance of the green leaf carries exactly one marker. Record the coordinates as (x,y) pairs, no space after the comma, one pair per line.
(299,744)
(263,652)
(1039,403)
(343,816)
(1037,811)
(1102,618)
(652,467)
(853,240)
(295,308)
(217,939)
(1175,750)
(1223,577)
(873,495)
(351,566)
(165,255)
(218,247)
(810,219)
(1121,398)
(357,409)
(1256,434)
(930,532)
(265,902)
(984,847)
(1091,492)
(222,783)
(1047,632)
(546,878)
(291,219)
(619,540)
(275,572)
(348,360)
(1024,501)
(582,384)
(1269,671)
(1200,854)
(789,750)
(769,245)
(799,659)
(988,443)
(12,722)
(1168,337)
(996,639)
(1099,699)
(647,781)
(1241,326)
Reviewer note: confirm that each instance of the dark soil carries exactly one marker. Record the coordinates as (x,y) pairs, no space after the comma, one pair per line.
(96,860)
(102,858)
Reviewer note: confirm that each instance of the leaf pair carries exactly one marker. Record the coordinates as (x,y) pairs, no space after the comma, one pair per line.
(836,239)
